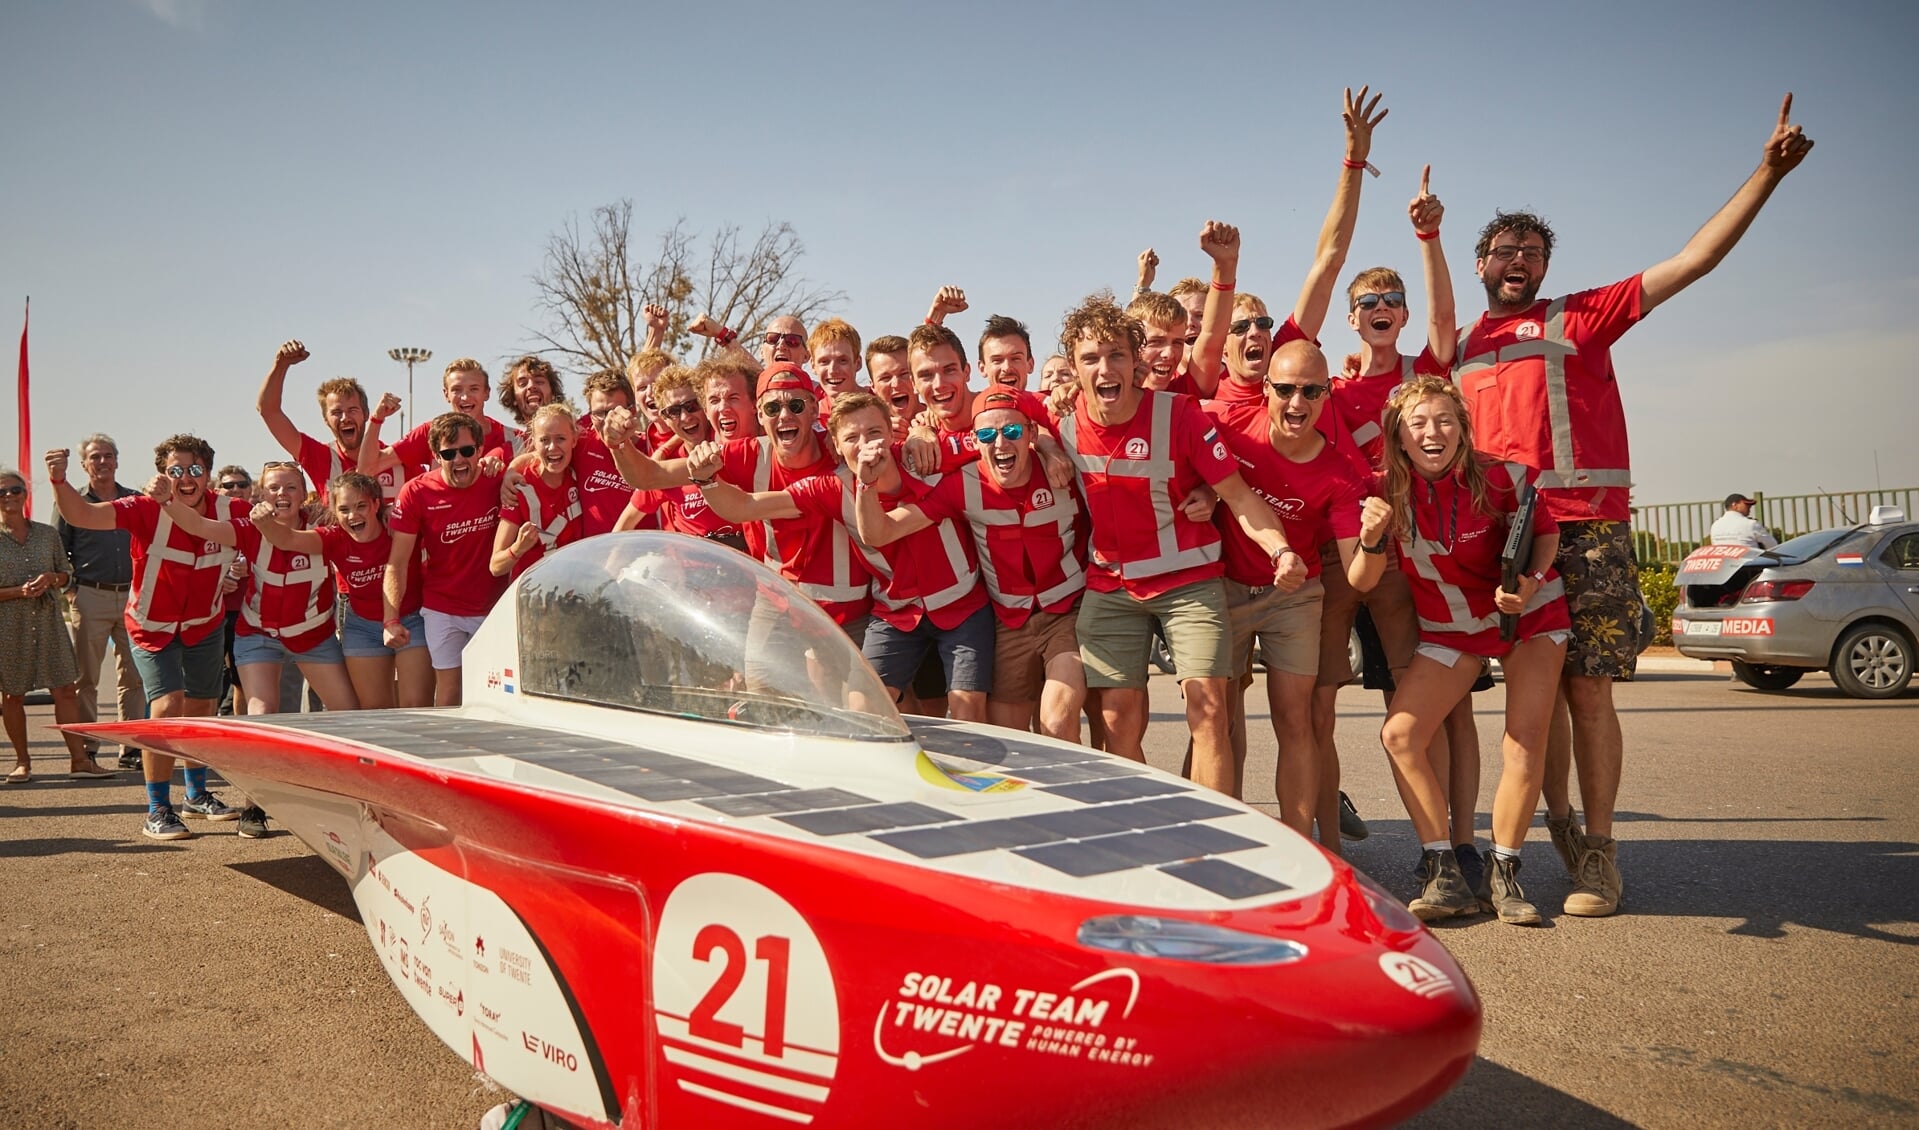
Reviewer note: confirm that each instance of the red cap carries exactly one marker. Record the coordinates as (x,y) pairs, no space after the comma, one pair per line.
(997,397)
(781,376)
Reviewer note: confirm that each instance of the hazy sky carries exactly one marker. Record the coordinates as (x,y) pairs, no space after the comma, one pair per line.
(186,183)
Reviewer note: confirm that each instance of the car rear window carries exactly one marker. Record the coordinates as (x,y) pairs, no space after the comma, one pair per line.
(1808,546)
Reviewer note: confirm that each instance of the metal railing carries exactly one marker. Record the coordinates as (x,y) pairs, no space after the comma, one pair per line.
(1666,533)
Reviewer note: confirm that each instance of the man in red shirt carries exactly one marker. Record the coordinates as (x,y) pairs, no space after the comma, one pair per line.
(834,346)
(889,368)
(726,388)
(1538,378)
(603,392)
(682,509)
(343,405)
(465,386)
(443,523)
(1137,455)
(530,384)
(174,613)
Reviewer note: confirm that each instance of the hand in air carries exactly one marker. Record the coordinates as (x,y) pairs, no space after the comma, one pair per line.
(617,428)
(290,353)
(1788,144)
(949,300)
(261,512)
(1375,518)
(1148,268)
(389,406)
(1220,242)
(160,489)
(1426,211)
(704,326)
(1360,120)
(655,315)
(57,464)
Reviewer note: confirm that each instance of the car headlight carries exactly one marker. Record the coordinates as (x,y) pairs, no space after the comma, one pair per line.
(1181,939)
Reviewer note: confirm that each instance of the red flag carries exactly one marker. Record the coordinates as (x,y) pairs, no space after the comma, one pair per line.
(26,410)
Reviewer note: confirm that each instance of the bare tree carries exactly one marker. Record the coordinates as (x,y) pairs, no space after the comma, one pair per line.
(592,291)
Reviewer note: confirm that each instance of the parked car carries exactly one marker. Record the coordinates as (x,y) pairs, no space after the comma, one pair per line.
(1843,600)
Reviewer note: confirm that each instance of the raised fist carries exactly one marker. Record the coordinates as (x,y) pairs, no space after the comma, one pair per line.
(1375,518)
(57,464)
(704,326)
(703,462)
(290,353)
(1148,268)
(261,512)
(160,489)
(655,315)
(1220,242)
(389,406)
(949,300)
(617,427)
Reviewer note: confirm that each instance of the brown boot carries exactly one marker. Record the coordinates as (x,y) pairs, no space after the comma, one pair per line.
(1508,900)
(1446,894)
(1597,887)
(1566,835)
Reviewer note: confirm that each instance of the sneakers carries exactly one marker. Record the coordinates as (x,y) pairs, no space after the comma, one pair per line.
(1446,894)
(210,807)
(1472,866)
(1566,836)
(162,824)
(130,759)
(1597,887)
(253,823)
(1351,827)
(1504,896)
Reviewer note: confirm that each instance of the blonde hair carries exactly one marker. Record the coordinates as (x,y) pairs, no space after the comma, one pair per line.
(464,365)
(1159,309)
(1374,279)
(1466,463)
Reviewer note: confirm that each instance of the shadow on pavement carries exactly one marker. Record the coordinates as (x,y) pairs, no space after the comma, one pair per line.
(73,845)
(306,877)
(1656,818)
(1491,1095)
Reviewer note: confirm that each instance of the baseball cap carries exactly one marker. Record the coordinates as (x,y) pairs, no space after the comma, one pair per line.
(999,397)
(781,376)
(1736,498)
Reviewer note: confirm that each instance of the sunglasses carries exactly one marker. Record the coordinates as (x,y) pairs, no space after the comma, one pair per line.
(791,341)
(236,484)
(988,435)
(683,408)
(9,492)
(1308,393)
(793,404)
(178,472)
(464,451)
(1239,328)
(1393,299)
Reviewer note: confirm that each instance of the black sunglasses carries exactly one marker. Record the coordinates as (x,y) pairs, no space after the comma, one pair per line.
(1239,328)
(9,492)
(464,451)
(683,408)
(1309,393)
(794,404)
(1394,300)
(235,484)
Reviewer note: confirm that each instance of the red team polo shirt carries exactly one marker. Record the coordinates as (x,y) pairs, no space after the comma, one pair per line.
(287,595)
(603,490)
(683,510)
(554,511)
(1359,403)
(1029,539)
(812,552)
(455,531)
(176,585)
(359,571)
(1316,502)
(413,449)
(931,574)
(322,463)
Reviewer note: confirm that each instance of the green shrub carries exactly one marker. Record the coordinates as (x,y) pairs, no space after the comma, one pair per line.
(1656,583)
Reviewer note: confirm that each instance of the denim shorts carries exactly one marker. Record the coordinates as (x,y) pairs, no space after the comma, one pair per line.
(362,638)
(195,669)
(268,649)
(965,651)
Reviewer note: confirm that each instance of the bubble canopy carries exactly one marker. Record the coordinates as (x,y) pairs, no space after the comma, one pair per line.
(669,624)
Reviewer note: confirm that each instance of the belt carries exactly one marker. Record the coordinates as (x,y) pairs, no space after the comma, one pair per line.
(109,588)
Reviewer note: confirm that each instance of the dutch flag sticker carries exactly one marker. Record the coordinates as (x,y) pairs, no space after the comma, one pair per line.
(1849,559)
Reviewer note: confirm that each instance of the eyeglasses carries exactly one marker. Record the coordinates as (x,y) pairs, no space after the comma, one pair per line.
(1239,328)
(9,492)
(683,408)
(1308,393)
(236,484)
(464,451)
(1394,300)
(178,472)
(988,435)
(791,341)
(794,404)
(1507,254)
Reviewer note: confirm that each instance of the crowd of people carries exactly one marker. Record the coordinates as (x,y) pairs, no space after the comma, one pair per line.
(1189,467)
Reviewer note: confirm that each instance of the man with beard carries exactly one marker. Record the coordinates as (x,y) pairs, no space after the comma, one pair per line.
(343,405)
(1538,378)
(531,383)
(443,522)
(465,385)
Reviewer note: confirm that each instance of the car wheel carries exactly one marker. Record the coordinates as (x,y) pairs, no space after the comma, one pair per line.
(1355,654)
(1872,661)
(1760,676)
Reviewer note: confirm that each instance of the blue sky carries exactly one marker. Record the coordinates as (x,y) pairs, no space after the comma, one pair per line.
(186,183)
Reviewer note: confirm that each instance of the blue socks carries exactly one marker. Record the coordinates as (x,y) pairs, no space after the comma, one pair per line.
(159,794)
(196,781)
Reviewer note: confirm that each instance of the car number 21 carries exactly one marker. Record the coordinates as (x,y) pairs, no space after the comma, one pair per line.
(743,997)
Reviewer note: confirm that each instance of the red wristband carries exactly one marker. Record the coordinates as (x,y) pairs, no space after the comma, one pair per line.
(726,336)
(929,322)
(1427,235)
(1352,164)
(1217,285)
(391,624)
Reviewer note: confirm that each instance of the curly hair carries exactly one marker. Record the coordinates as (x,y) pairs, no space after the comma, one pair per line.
(193,445)
(1466,463)
(609,382)
(532,366)
(678,376)
(1520,224)
(344,386)
(1099,318)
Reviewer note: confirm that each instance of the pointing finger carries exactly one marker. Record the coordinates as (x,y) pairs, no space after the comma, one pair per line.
(1785,109)
(1425,181)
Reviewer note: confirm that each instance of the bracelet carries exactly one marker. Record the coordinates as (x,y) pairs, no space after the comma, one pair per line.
(1375,549)
(929,321)
(1352,164)
(703,483)
(726,336)
(1426,235)
(1226,286)
(376,419)
(1284,552)
(390,624)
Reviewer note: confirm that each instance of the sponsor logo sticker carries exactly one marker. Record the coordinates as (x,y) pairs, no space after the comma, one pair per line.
(1416,975)
(1527,331)
(1745,626)
(1135,449)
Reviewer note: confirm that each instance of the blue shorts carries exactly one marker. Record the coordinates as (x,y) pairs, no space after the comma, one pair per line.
(199,669)
(268,649)
(361,638)
(965,651)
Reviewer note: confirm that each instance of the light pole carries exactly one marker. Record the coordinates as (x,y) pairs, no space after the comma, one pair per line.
(409,354)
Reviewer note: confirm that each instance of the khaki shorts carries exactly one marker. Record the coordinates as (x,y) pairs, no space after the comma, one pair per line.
(1021,654)
(1602,594)
(1286,625)
(1116,631)
(1391,605)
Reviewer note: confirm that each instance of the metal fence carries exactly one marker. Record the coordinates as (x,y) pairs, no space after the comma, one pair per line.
(1666,533)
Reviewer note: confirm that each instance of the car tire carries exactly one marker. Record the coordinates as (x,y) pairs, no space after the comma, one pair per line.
(1762,677)
(1355,654)
(1873,661)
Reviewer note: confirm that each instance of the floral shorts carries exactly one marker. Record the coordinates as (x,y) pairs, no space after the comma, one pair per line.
(1602,594)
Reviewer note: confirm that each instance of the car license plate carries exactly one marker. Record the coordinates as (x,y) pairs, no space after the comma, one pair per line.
(1702,628)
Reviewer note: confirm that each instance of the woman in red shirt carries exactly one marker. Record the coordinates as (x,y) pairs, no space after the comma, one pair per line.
(1447,508)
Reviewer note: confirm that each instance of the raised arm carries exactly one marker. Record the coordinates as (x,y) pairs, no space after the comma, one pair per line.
(73,506)
(1442,317)
(728,501)
(279,535)
(1220,242)
(728,340)
(655,315)
(1336,234)
(1148,271)
(192,521)
(878,526)
(272,391)
(640,470)
(1787,146)
(374,456)
(949,300)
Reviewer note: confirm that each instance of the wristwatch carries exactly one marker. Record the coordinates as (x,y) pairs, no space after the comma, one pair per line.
(1376,548)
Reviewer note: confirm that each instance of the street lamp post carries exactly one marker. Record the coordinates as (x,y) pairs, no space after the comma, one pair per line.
(409,354)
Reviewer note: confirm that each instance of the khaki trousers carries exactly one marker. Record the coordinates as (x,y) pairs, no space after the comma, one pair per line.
(100,615)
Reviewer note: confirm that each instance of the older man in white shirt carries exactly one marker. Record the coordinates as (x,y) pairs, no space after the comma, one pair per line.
(1738,527)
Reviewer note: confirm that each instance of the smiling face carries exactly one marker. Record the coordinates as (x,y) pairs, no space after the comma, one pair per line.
(466,392)
(680,409)
(1249,354)
(13,502)
(1057,371)
(189,488)
(553,438)
(836,366)
(345,417)
(792,431)
(1512,271)
(286,489)
(730,408)
(463,469)
(1301,365)
(1006,361)
(355,512)
(939,378)
(1195,304)
(893,383)
(1008,461)
(531,392)
(791,343)
(1379,326)
(857,429)
(1107,371)
(102,464)
(1430,435)
(1163,353)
